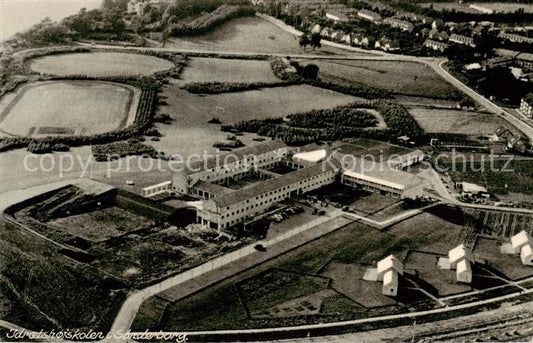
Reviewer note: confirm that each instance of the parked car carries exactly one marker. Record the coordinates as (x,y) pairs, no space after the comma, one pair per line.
(260,247)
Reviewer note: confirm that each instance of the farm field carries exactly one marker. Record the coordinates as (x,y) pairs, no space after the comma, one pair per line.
(189,133)
(68,107)
(249,35)
(340,256)
(100,64)
(455,121)
(407,78)
(227,70)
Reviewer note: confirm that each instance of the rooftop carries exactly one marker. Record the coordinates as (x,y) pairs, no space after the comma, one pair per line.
(460,252)
(388,263)
(237,154)
(273,184)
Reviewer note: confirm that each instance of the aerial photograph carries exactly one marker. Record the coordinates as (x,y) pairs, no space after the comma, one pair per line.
(266,171)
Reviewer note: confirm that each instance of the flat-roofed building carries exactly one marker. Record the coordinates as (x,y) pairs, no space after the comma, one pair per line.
(233,208)
(223,167)
(383,180)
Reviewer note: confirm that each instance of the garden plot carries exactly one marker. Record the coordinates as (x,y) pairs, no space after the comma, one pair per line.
(102,224)
(100,64)
(227,70)
(68,108)
(456,121)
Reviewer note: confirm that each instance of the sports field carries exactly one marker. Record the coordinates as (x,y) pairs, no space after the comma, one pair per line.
(100,64)
(67,108)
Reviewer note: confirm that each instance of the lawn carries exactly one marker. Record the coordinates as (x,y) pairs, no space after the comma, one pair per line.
(455,121)
(100,64)
(372,203)
(407,78)
(227,70)
(509,265)
(67,107)
(189,133)
(351,248)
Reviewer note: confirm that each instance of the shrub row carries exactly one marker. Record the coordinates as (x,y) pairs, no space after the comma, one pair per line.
(228,87)
(106,152)
(399,122)
(349,116)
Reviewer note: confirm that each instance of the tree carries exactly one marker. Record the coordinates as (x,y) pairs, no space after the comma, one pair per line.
(310,71)
(315,41)
(304,41)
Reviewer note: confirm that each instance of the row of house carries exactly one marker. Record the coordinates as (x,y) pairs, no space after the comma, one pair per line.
(514,37)
(356,39)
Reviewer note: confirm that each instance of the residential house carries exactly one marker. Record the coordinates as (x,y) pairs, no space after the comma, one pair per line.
(400,24)
(437,46)
(526,105)
(460,39)
(460,259)
(515,38)
(522,244)
(337,16)
(369,15)
(388,270)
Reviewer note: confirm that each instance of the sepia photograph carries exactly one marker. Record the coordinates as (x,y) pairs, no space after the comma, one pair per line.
(266,171)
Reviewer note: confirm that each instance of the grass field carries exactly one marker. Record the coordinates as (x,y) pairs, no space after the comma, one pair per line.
(340,256)
(509,265)
(455,121)
(189,133)
(249,34)
(67,107)
(100,64)
(103,224)
(226,70)
(407,78)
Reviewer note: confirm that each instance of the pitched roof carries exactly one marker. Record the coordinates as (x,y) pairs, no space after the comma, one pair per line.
(520,239)
(388,263)
(460,252)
